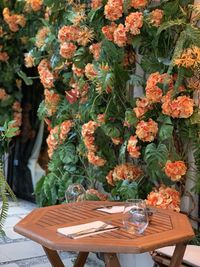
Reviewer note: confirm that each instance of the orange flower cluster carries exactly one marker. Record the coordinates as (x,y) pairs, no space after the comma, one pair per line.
(113,9)
(88,130)
(46,77)
(95,49)
(156,17)
(175,170)
(51,101)
(147,131)
(142,106)
(134,23)
(28,60)
(132,147)
(77,92)
(14,20)
(165,198)
(58,135)
(180,107)
(3,95)
(90,71)
(125,171)
(95,4)
(153,92)
(190,58)
(85,36)
(35,5)
(41,36)
(138,3)
(79,72)
(67,50)
(96,193)
(68,34)
(108,31)
(119,35)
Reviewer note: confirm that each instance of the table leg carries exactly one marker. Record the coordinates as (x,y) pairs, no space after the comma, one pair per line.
(178,255)
(111,260)
(53,257)
(81,259)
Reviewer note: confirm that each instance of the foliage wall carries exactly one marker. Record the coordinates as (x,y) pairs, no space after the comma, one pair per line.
(100,133)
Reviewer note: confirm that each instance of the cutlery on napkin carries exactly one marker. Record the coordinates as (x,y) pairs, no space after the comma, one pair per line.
(87,229)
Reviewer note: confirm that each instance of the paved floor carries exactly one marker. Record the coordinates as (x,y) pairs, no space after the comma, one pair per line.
(17,251)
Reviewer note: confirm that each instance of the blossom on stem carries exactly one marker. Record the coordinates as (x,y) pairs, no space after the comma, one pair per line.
(165,198)
(147,131)
(175,170)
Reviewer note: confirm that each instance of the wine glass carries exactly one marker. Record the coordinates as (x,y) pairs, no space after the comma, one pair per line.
(135,216)
(75,193)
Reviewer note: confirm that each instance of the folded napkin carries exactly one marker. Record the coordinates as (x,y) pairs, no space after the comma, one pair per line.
(112,209)
(87,229)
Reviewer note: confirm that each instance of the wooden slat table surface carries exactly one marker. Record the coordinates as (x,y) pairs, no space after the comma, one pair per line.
(166,228)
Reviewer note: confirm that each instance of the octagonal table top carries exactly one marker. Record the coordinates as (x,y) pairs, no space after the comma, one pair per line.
(166,228)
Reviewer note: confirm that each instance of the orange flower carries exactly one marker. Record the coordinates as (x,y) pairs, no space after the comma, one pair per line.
(95,49)
(13,20)
(90,71)
(79,72)
(120,37)
(190,58)
(28,60)
(113,9)
(175,170)
(134,22)
(67,50)
(153,92)
(89,128)
(138,3)
(147,131)
(132,148)
(108,31)
(41,36)
(181,107)
(95,4)
(47,78)
(35,5)
(125,171)
(165,198)
(68,33)
(142,106)
(101,119)
(156,17)
(51,101)
(58,135)
(85,35)
(95,160)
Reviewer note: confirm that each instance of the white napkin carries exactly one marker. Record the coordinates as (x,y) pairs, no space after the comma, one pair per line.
(111,210)
(83,229)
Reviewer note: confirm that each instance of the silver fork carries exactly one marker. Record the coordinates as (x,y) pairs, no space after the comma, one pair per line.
(91,230)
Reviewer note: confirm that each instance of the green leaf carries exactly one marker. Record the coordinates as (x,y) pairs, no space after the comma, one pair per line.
(112,130)
(170,24)
(28,81)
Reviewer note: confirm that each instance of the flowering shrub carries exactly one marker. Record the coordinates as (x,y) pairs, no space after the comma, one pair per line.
(87,54)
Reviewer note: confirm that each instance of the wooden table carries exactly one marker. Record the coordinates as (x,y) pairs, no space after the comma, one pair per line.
(166,228)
